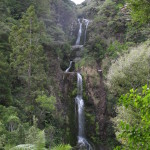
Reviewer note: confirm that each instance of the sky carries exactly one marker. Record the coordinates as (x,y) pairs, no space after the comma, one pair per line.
(78,1)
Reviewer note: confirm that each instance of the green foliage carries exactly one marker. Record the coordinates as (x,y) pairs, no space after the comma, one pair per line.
(5,22)
(137,34)
(5,96)
(63,53)
(21,134)
(27,69)
(58,17)
(47,103)
(62,147)
(2,135)
(27,58)
(9,125)
(3,10)
(99,51)
(13,122)
(134,120)
(115,49)
(54,135)
(109,20)
(17,8)
(33,135)
(140,10)
(34,139)
(130,70)
(85,61)
(108,28)
(108,8)
(40,143)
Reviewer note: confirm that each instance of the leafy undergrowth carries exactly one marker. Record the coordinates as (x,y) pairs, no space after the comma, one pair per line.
(133,120)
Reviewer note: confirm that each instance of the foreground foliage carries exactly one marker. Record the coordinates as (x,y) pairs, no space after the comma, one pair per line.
(133,120)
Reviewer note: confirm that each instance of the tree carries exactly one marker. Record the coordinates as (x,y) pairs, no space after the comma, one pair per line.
(140,10)
(27,58)
(21,134)
(2,135)
(47,103)
(13,122)
(17,8)
(46,108)
(36,136)
(5,91)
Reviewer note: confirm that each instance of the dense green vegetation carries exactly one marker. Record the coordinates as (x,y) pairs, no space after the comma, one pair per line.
(140,10)
(116,42)
(36,112)
(29,93)
(133,120)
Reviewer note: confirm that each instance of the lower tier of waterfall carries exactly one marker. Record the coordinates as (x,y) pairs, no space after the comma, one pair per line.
(80,105)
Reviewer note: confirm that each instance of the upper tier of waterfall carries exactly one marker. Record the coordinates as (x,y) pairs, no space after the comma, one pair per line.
(79,33)
(86,23)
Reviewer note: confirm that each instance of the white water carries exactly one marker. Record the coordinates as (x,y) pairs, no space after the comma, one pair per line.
(86,25)
(80,104)
(67,70)
(79,33)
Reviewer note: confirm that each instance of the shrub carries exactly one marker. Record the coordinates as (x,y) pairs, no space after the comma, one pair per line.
(130,70)
(115,48)
(133,120)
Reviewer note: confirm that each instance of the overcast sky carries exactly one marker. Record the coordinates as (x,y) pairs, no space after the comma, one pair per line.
(78,1)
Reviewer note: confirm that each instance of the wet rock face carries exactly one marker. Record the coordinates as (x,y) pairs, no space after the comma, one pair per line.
(69,93)
(101,108)
(77,53)
(97,98)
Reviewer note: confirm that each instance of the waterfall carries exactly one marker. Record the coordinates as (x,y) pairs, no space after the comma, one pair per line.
(67,70)
(80,104)
(86,21)
(86,26)
(79,109)
(79,33)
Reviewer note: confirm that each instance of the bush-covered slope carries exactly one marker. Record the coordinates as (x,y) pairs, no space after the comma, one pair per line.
(34,40)
(130,70)
(115,43)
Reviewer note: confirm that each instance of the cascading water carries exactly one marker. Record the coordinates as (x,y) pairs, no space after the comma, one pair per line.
(86,26)
(79,33)
(80,105)
(82,142)
(67,70)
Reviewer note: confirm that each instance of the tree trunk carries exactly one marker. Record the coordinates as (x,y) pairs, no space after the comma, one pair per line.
(30,58)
